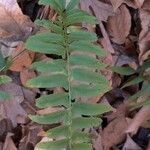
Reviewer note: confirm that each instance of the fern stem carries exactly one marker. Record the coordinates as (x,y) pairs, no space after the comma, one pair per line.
(66,43)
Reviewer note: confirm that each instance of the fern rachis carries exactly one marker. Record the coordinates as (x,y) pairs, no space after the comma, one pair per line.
(76,76)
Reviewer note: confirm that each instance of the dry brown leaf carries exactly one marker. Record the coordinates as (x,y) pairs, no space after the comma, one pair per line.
(114,133)
(144,37)
(97,143)
(14,26)
(23,58)
(9,144)
(131,3)
(102,10)
(5,127)
(139,119)
(26,75)
(139,3)
(108,72)
(146,5)
(30,137)
(121,111)
(12,20)
(116,4)
(145,56)
(130,144)
(106,41)
(119,25)
(11,109)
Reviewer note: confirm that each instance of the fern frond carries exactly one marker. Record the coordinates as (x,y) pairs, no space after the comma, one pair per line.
(143,76)
(74,73)
(3,80)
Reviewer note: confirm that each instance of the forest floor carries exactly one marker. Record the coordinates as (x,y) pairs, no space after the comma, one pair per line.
(123,30)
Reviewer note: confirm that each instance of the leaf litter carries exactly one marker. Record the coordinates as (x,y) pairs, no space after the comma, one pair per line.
(123,31)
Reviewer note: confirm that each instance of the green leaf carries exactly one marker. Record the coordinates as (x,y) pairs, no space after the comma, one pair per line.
(134,81)
(51,118)
(62,4)
(89,91)
(78,16)
(4,79)
(80,137)
(52,100)
(145,65)
(49,81)
(138,105)
(58,131)
(90,109)
(47,37)
(2,61)
(72,4)
(146,102)
(88,76)
(86,122)
(53,66)
(82,36)
(123,70)
(49,25)
(82,146)
(86,61)
(58,5)
(4,96)
(87,47)
(44,47)
(53,145)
